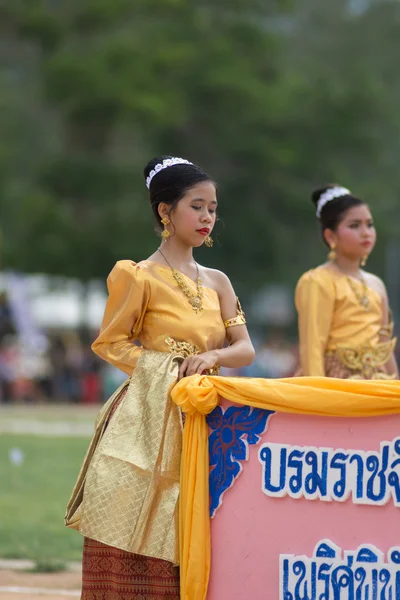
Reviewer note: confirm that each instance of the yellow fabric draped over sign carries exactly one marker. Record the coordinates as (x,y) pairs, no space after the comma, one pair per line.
(199,395)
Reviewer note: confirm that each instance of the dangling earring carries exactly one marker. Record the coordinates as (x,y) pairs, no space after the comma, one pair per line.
(165,234)
(332,253)
(364,261)
(209,241)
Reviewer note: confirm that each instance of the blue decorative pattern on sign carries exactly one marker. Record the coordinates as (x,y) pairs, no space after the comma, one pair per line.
(228,447)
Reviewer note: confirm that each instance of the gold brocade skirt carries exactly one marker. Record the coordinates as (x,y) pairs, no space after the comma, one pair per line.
(113,574)
(366,362)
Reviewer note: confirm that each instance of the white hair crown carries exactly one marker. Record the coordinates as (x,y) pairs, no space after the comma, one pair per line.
(167,162)
(330,194)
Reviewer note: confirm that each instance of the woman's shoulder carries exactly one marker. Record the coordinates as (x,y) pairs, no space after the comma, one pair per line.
(215,279)
(126,271)
(376,283)
(321,276)
(124,266)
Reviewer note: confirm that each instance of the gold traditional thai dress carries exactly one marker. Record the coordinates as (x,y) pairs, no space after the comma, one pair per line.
(340,334)
(147,305)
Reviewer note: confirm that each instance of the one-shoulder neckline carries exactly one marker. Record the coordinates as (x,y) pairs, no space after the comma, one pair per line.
(339,273)
(361,283)
(166,267)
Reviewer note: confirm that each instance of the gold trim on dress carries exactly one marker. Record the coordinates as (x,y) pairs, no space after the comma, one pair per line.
(186,349)
(240,318)
(367,361)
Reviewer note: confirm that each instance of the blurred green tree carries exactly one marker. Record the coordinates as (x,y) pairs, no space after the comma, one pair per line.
(271,99)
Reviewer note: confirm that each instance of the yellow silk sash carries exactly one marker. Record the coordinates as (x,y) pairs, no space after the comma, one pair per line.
(199,395)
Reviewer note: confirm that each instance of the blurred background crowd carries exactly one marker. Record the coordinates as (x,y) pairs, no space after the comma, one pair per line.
(45,339)
(272,97)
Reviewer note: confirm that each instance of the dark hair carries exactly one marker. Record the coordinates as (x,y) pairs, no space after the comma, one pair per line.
(171,184)
(334,210)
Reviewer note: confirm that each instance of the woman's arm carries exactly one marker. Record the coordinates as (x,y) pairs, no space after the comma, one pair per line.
(391,366)
(240,351)
(315,301)
(123,317)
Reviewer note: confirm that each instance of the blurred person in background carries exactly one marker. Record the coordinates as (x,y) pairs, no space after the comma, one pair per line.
(345,326)
(74,366)
(8,368)
(57,353)
(67,359)
(111,379)
(91,379)
(7,355)
(170,304)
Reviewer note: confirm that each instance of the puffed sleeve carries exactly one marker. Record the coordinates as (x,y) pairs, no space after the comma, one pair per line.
(128,297)
(315,302)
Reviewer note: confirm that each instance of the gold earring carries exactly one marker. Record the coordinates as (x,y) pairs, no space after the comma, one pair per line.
(209,241)
(165,234)
(364,261)
(332,253)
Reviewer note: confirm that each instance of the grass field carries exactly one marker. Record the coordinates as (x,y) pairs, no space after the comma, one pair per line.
(33,497)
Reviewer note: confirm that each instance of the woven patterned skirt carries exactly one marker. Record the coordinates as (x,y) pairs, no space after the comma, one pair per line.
(335,368)
(112,574)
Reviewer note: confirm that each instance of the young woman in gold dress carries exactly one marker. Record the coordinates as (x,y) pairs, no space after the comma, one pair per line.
(168,303)
(345,326)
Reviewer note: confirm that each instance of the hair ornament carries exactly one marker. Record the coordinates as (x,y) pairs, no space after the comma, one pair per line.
(168,162)
(329,195)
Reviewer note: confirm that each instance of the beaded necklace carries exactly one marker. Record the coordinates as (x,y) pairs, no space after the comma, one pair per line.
(195,300)
(362,298)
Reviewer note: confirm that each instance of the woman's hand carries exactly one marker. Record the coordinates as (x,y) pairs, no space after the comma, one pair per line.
(198,364)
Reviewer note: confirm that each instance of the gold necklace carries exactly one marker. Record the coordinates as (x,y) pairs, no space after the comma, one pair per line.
(362,298)
(195,300)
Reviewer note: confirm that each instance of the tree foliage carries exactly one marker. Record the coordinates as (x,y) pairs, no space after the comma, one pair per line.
(272,99)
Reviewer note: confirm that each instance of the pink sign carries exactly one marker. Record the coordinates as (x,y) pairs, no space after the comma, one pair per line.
(307,483)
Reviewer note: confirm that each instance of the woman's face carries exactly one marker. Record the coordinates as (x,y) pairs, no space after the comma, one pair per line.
(355,235)
(194,217)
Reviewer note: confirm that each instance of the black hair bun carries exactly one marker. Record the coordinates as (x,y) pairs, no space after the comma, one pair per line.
(333,211)
(170,183)
(316,195)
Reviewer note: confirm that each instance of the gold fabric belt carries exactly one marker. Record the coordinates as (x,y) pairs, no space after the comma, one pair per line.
(185,349)
(366,361)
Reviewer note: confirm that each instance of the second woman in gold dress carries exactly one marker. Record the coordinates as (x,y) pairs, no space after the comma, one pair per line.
(345,326)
